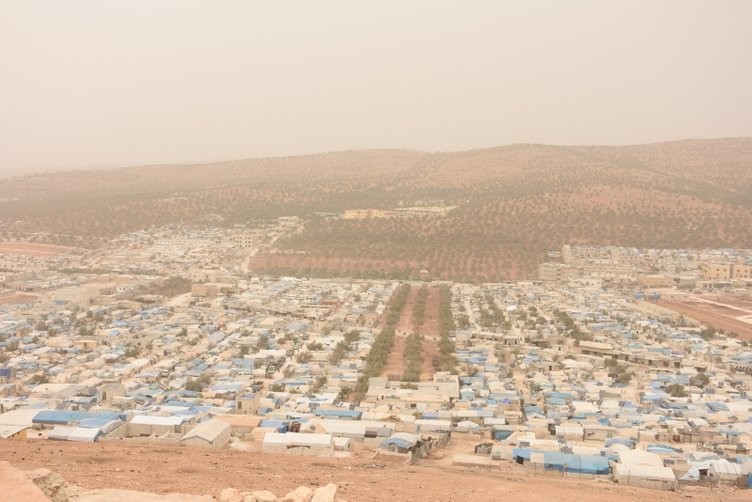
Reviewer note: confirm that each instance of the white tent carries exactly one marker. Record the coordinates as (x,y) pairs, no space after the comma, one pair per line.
(80,434)
(645,476)
(296,443)
(724,471)
(644,469)
(214,433)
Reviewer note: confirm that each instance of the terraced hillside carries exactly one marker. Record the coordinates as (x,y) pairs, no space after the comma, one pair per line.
(513,204)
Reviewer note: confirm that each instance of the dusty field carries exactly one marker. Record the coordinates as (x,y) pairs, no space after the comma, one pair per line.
(732,314)
(17,299)
(164,469)
(31,249)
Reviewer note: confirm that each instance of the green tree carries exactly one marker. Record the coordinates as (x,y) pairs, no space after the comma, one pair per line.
(700,380)
(676,390)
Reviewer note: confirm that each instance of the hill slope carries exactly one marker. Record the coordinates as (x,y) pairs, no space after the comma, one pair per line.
(513,204)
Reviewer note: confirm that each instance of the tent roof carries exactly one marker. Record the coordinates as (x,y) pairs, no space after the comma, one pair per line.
(208,431)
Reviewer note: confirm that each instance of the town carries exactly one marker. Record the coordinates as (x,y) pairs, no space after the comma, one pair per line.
(622,364)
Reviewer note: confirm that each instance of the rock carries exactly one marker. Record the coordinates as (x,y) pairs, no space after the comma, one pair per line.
(50,483)
(325,493)
(17,486)
(230,495)
(299,494)
(112,495)
(264,496)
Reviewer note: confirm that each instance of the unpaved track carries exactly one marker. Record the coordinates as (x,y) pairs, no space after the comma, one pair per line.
(430,331)
(31,249)
(718,317)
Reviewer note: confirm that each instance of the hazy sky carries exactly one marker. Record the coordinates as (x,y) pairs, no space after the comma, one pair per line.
(117,82)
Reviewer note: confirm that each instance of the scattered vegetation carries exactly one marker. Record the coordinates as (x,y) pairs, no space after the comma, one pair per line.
(570,327)
(618,372)
(699,380)
(198,384)
(708,333)
(39,378)
(676,390)
(492,316)
(526,200)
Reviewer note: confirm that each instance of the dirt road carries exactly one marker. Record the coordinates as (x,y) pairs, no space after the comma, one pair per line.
(31,249)
(718,312)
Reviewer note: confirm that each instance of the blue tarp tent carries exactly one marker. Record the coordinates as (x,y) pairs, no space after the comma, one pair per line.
(568,462)
(660,449)
(625,441)
(279,425)
(338,413)
(400,440)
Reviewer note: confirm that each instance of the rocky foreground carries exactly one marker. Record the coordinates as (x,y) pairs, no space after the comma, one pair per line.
(43,485)
(112,472)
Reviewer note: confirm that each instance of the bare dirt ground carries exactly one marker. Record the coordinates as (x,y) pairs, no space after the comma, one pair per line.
(405,323)
(31,249)
(17,299)
(430,332)
(732,314)
(429,329)
(165,469)
(395,365)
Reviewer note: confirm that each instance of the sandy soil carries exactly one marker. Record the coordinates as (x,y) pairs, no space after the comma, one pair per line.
(721,312)
(395,366)
(31,249)
(164,469)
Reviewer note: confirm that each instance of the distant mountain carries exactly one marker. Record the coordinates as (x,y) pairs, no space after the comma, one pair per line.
(513,204)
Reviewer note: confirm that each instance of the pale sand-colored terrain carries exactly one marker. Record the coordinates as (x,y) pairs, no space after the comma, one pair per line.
(730,313)
(165,469)
(31,249)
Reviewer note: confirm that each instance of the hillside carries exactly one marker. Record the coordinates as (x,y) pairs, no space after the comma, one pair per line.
(513,204)
(362,478)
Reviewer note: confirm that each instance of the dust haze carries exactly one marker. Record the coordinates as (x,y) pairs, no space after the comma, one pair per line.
(108,83)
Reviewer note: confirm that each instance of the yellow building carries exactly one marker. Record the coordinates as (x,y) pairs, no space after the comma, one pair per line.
(742,271)
(725,271)
(716,271)
(362,214)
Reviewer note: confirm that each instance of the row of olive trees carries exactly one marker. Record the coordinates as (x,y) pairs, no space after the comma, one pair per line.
(446,361)
(343,347)
(419,307)
(413,357)
(382,345)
